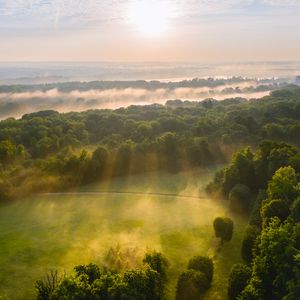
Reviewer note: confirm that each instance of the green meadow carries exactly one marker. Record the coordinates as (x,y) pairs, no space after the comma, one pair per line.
(160,211)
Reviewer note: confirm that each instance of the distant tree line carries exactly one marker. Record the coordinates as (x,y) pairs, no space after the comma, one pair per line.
(138,84)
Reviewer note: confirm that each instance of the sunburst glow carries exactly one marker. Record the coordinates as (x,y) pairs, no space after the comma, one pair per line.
(150,17)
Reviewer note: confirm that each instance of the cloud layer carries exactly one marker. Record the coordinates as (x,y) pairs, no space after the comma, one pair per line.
(54,13)
(101,30)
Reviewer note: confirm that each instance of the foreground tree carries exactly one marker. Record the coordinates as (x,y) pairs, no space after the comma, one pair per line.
(223,229)
(248,243)
(202,264)
(275,208)
(194,282)
(240,198)
(238,279)
(91,282)
(158,262)
(47,287)
(283,185)
(275,268)
(191,285)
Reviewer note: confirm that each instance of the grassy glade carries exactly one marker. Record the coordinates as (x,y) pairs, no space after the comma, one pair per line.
(62,231)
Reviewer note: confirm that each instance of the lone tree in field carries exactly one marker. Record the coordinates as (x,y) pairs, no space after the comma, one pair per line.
(223,229)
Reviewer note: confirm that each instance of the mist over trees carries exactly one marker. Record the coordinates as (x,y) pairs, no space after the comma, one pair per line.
(65,150)
(143,84)
(97,282)
(16,100)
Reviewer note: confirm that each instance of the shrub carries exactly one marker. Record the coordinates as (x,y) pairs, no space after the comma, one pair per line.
(191,285)
(202,264)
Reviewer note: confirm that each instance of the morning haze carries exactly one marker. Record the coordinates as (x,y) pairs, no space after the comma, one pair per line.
(149,150)
(229,30)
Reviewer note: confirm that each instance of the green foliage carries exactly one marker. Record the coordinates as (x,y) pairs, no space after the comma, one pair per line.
(239,171)
(196,280)
(248,242)
(202,264)
(157,262)
(252,173)
(283,184)
(90,282)
(255,216)
(97,165)
(295,210)
(139,284)
(273,252)
(238,279)
(275,266)
(7,151)
(275,208)
(282,155)
(240,198)
(179,135)
(92,272)
(200,153)
(223,228)
(254,290)
(191,285)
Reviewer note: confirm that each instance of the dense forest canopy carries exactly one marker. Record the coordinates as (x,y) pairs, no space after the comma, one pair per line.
(100,143)
(265,184)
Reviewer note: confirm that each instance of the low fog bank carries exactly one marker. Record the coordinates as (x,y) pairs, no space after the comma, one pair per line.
(47,72)
(16,101)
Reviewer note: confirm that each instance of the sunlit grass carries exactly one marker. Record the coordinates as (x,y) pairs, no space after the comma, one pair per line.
(61,231)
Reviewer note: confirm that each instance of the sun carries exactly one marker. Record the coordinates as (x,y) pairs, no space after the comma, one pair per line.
(150,17)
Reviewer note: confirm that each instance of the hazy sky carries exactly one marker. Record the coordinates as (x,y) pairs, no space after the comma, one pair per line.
(165,30)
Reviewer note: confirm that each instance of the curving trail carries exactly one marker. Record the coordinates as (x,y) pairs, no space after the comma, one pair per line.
(121,193)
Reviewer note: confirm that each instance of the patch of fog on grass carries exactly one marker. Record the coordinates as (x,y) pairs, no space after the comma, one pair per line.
(46,232)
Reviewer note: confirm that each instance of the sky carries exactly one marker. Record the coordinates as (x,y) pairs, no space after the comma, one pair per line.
(150,30)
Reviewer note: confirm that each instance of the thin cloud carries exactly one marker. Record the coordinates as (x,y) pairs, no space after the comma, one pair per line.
(61,12)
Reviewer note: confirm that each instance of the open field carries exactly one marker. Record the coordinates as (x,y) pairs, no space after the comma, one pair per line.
(61,231)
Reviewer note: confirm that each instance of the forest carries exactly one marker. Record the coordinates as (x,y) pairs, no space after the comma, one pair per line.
(64,150)
(253,145)
(17,100)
